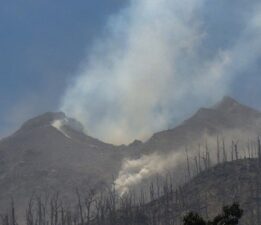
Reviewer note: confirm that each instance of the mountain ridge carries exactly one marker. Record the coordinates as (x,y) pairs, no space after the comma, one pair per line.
(42,155)
(226,115)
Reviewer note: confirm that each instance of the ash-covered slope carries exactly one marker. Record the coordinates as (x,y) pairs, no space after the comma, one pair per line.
(228,119)
(206,194)
(50,152)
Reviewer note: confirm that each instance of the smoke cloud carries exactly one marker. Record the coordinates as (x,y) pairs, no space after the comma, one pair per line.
(135,171)
(152,68)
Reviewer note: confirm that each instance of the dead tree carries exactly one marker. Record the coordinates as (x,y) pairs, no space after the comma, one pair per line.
(208,160)
(232,151)
(236,151)
(199,158)
(188,165)
(196,165)
(224,151)
(13,218)
(218,151)
(258,181)
(249,149)
(258,199)
(259,152)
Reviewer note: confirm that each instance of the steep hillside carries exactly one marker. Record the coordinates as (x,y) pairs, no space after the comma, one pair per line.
(236,181)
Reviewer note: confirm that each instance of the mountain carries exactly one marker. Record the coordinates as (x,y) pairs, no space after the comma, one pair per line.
(228,119)
(52,152)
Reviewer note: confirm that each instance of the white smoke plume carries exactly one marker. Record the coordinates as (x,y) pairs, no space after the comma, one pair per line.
(149,70)
(135,171)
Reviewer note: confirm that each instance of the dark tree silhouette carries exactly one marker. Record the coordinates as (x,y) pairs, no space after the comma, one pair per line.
(229,216)
(193,219)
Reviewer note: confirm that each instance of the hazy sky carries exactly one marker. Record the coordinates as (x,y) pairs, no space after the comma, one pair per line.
(41,46)
(43,43)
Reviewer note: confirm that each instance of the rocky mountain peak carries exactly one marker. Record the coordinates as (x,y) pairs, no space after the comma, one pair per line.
(56,120)
(45,119)
(227,103)
(232,107)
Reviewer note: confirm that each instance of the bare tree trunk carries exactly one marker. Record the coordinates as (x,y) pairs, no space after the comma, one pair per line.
(13,218)
(188,165)
(232,151)
(218,151)
(224,151)
(248,149)
(258,200)
(236,151)
(80,207)
(259,152)
(199,158)
(258,182)
(196,164)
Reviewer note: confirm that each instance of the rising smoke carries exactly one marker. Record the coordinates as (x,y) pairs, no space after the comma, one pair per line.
(134,171)
(150,69)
